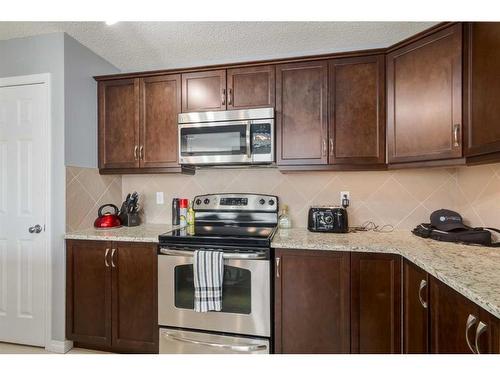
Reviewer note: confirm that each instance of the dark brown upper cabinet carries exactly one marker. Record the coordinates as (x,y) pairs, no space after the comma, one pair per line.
(204,91)
(161,104)
(424,98)
(482,89)
(375,303)
(312,302)
(252,87)
(357,111)
(138,124)
(416,308)
(302,113)
(119,124)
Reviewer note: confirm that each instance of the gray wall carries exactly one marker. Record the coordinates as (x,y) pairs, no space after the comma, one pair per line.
(34,55)
(80,65)
(71,66)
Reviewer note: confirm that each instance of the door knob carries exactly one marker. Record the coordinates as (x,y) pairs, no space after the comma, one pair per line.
(35,229)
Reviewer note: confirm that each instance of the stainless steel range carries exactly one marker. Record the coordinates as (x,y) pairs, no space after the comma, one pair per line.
(240,225)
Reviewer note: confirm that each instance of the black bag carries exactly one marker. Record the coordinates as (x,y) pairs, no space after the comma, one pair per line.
(447,226)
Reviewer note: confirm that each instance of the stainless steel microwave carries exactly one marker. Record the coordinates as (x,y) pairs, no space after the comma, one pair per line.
(227,137)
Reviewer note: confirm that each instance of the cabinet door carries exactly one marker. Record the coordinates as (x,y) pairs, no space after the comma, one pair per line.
(301,113)
(424,98)
(375,303)
(357,110)
(204,91)
(482,65)
(312,302)
(450,314)
(415,309)
(161,104)
(119,123)
(135,305)
(252,87)
(88,292)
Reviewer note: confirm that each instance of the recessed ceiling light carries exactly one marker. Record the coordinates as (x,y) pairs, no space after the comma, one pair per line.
(109,23)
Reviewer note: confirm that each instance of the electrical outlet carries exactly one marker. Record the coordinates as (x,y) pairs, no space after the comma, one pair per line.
(159,197)
(344,193)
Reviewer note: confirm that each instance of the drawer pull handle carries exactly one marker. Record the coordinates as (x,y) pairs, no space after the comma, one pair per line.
(481,328)
(423,284)
(471,320)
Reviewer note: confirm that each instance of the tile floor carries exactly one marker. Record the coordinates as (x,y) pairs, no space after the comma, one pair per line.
(6,348)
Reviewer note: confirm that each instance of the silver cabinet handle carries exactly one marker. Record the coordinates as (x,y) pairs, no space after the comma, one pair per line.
(456,132)
(223,96)
(331,146)
(423,284)
(324,147)
(141,155)
(187,253)
(35,229)
(113,258)
(235,348)
(230,97)
(106,258)
(249,146)
(135,152)
(278,267)
(471,320)
(481,328)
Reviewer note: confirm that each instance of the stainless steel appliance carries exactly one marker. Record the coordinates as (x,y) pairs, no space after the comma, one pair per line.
(227,137)
(328,219)
(242,226)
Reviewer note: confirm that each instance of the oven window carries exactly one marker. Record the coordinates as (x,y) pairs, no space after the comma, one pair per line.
(213,140)
(236,289)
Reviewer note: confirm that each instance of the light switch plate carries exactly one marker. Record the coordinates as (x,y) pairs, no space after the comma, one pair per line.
(159,197)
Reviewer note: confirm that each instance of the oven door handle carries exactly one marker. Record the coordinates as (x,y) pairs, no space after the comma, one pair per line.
(185,253)
(235,348)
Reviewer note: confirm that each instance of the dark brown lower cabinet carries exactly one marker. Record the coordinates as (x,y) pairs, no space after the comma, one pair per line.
(312,302)
(459,326)
(111,296)
(375,303)
(415,309)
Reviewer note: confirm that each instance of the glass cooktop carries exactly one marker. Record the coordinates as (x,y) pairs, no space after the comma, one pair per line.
(222,235)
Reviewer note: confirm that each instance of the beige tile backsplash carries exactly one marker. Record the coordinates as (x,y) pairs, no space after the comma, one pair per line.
(401,198)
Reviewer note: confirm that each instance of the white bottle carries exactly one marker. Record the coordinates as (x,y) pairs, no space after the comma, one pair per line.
(284,221)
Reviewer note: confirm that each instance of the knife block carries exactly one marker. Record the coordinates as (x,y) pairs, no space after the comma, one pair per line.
(130,219)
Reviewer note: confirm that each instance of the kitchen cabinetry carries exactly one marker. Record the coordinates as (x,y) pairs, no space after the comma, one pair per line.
(251,87)
(204,91)
(424,98)
(312,302)
(458,326)
(302,113)
(415,309)
(119,124)
(375,303)
(482,89)
(357,111)
(111,295)
(138,124)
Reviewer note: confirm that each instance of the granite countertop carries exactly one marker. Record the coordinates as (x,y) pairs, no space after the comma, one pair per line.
(473,271)
(141,233)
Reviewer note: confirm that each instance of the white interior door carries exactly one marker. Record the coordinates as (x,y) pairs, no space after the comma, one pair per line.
(23,184)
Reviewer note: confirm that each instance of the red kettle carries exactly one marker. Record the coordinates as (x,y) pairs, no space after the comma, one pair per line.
(107,220)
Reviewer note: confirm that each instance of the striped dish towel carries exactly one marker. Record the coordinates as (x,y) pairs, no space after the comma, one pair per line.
(208,270)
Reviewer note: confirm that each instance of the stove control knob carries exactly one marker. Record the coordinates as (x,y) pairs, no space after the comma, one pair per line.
(206,201)
(198,202)
(262,201)
(271,202)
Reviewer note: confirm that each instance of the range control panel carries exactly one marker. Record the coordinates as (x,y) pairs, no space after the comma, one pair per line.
(236,202)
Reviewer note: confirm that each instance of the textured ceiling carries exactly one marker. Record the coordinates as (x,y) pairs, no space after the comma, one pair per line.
(135,46)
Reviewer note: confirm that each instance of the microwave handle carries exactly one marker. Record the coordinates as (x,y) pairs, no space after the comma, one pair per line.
(249,144)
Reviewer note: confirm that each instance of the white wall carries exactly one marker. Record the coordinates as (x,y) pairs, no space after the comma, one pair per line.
(80,65)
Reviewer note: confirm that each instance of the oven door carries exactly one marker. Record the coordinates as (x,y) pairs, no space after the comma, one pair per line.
(245,296)
(215,143)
